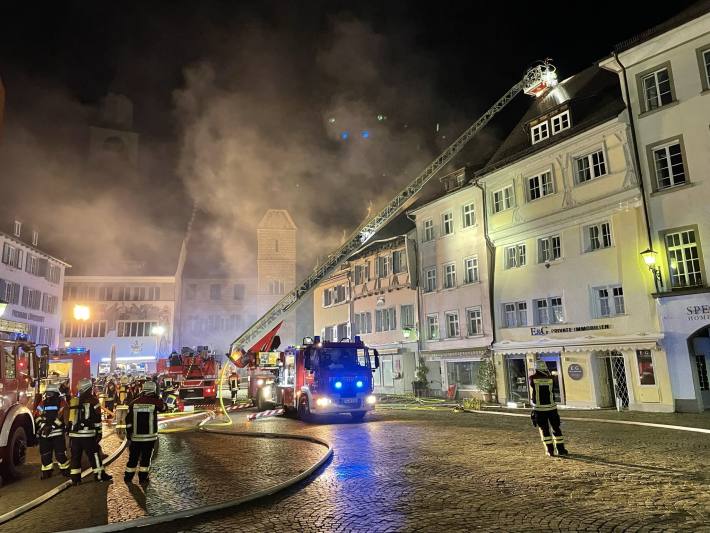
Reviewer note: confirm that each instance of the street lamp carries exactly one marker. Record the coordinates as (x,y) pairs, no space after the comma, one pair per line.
(158,332)
(67,344)
(81,312)
(649,257)
(3,306)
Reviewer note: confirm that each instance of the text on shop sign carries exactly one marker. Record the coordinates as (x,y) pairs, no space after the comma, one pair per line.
(546,330)
(698,312)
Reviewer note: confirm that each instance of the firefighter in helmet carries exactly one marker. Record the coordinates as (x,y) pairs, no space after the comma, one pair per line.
(51,413)
(122,404)
(234,385)
(85,432)
(544,414)
(110,393)
(172,395)
(142,431)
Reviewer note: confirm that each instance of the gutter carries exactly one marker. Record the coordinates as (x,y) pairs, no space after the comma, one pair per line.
(491,261)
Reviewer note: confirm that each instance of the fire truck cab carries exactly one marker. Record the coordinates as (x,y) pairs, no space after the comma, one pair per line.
(323,377)
(195,371)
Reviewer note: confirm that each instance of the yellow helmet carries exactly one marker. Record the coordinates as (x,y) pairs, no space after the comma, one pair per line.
(84,385)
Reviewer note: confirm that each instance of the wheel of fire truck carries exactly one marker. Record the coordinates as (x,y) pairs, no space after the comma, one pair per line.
(304,410)
(15,453)
(358,416)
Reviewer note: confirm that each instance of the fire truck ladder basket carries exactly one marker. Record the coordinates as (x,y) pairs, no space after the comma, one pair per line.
(535,77)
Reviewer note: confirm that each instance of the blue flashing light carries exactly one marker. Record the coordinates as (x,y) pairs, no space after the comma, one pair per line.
(365,134)
(338,385)
(359,384)
(344,135)
(76,349)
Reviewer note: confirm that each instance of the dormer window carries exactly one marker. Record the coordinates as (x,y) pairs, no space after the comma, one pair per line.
(560,122)
(539,132)
(18,228)
(35,237)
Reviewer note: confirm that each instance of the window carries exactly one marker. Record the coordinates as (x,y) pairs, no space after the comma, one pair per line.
(470,267)
(399,262)
(17,228)
(54,273)
(276,286)
(340,294)
(430,279)
(383,266)
(385,319)
(549,311)
(503,199)
(668,166)
(428,230)
(540,132)
(327,297)
(215,291)
(515,314)
(684,259)
(406,316)
(463,373)
(35,237)
(591,166)
(597,236)
(474,322)
(549,249)
(96,328)
(153,293)
(540,185)
(342,331)
(31,298)
(432,327)
(656,88)
(190,291)
(49,304)
(9,291)
(362,323)
(447,223)
(12,256)
(452,324)
(362,273)
(329,333)
(645,362)
(449,276)
(515,256)
(469,216)
(560,122)
(609,301)
(705,69)
(239,291)
(134,329)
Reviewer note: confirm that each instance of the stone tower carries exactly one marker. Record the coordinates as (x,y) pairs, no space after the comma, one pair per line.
(113,134)
(276,263)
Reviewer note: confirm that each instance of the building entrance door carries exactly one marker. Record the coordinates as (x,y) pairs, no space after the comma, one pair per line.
(553,366)
(517,378)
(700,362)
(614,390)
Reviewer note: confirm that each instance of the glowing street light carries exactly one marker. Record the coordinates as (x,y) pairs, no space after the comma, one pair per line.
(157,330)
(649,257)
(81,312)
(67,344)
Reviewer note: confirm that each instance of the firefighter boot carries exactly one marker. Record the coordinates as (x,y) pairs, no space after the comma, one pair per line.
(561,450)
(46,474)
(103,476)
(76,480)
(550,450)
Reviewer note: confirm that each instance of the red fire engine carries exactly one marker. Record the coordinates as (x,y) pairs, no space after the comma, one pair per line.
(195,372)
(69,365)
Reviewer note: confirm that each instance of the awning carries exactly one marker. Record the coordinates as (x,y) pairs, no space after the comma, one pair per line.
(614,346)
(477,353)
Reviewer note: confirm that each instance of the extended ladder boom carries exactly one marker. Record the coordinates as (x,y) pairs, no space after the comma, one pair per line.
(364,233)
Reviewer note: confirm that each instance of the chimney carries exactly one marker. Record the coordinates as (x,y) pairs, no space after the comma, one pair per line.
(18,228)
(35,237)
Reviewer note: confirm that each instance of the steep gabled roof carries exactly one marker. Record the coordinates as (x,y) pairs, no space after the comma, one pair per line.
(593,97)
(277,219)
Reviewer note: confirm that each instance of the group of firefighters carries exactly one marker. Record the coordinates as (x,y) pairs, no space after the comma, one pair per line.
(135,405)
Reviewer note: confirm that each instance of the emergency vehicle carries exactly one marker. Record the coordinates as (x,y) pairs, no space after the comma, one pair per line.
(195,372)
(72,364)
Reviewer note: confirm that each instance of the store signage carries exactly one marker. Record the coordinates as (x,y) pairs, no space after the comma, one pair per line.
(575,371)
(543,330)
(698,312)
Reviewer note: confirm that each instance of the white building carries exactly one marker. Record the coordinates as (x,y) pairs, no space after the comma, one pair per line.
(132,316)
(665,78)
(31,283)
(455,309)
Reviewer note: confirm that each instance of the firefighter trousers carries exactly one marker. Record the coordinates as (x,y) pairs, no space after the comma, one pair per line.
(109,405)
(547,420)
(57,447)
(89,446)
(139,451)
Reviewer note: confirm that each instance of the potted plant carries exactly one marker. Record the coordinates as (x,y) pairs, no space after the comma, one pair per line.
(487,379)
(420,385)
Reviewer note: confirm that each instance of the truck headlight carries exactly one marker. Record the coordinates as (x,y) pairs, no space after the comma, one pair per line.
(371,399)
(322,402)
(266,391)
(359,383)
(259,382)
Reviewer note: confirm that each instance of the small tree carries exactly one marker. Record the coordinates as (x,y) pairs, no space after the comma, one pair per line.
(487,376)
(422,372)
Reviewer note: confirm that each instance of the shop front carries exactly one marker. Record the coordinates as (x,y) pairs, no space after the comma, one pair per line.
(396,371)
(460,371)
(685,320)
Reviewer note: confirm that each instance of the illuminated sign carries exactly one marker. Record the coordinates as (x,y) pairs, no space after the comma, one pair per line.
(544,330)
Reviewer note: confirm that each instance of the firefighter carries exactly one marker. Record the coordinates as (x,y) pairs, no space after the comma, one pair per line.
(234,386)
(122,406)
(544,414)
(142,430)
(85,432)
(64,390)
(171,398)
(50,423)
(110,397)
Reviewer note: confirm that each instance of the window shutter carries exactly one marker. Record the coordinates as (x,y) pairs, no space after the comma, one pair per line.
(393,318)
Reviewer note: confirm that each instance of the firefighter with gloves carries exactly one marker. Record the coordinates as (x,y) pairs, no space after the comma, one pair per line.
(234,386)
(85,432)
(122,405)
(51,414)
(142,431)
(544,414)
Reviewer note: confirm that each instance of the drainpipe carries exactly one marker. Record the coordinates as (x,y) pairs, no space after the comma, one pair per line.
(637,158)
(419,299)
(492,259)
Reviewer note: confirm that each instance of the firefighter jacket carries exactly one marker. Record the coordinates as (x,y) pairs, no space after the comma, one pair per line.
(541,385)
(85,417)
(50,418)
(142,421)
(233,381)
(110,392)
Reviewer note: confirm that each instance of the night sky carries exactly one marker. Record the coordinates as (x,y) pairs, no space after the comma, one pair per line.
(232,101)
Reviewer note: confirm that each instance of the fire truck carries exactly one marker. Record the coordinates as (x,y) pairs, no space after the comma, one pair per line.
(195,371)
(69,365)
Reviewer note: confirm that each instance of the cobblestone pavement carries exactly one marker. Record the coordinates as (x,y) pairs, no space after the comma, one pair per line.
(419,471)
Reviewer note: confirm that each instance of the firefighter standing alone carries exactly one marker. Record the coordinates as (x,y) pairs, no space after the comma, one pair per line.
(50,423)
(142,431)
(85,432)
(544,414)
(234,386)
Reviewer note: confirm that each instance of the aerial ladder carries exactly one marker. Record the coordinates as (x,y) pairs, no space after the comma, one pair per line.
(536,82)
